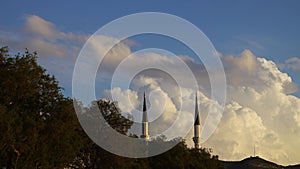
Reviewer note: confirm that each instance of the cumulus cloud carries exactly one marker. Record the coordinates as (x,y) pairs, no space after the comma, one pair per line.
(242,129)
(259,110)
(127,100)
(260,73)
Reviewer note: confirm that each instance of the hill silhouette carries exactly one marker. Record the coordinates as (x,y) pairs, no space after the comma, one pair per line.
(256,163)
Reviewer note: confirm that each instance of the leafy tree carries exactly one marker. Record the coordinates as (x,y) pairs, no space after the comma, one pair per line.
(36,120)
(181,157)
(93,156)
(202,159)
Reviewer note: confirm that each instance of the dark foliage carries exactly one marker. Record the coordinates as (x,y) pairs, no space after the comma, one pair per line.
(37,123)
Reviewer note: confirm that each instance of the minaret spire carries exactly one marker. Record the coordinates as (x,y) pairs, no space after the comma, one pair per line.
(145,134)
(197,119)
(197,137)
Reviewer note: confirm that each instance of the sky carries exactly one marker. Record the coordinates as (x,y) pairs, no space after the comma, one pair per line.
(257,41)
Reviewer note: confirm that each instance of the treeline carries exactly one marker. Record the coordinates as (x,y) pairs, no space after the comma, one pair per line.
(39,128)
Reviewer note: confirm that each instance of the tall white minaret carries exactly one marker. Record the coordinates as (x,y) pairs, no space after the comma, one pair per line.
(197,135)
(145,134)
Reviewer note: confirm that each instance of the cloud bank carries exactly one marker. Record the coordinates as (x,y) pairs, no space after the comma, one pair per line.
(259,111)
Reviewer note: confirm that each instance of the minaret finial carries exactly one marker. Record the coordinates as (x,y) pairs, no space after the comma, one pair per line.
(197,118)
(145,116)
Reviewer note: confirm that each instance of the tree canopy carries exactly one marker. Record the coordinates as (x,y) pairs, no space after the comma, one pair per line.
(36,120)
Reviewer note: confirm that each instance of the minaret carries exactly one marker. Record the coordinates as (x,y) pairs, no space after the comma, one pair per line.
(197,136)
(145,134)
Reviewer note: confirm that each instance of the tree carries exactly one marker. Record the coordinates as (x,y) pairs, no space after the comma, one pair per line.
(35,118)
(202,159)
(93,156)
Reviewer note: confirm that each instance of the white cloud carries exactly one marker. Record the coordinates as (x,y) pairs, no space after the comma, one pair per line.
(258,73)
(241,128)
(57,50)
(127,100)
(37,26)
(42,36)
(259,111)
(261,91)
(292,63)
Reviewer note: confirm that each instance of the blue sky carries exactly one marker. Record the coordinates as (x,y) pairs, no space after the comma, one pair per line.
(268,28)
(254,37)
